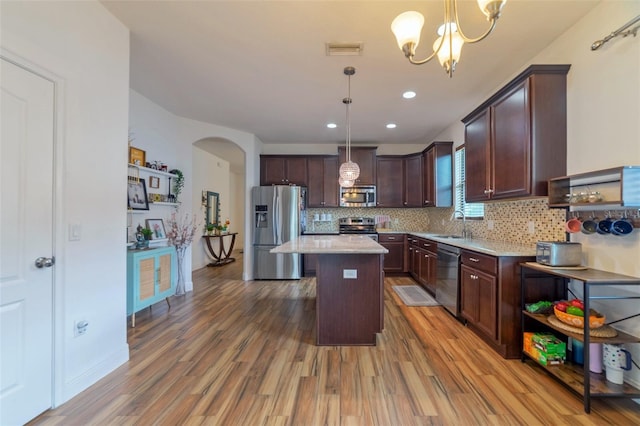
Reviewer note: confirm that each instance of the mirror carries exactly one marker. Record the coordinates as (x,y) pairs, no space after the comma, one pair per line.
(212,207)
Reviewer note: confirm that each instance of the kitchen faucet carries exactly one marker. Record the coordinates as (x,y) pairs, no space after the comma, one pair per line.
(465,234)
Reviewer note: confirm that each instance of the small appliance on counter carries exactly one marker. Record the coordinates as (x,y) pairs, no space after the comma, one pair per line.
(558,253)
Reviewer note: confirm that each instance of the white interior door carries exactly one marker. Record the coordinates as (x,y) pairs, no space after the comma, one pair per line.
(26,223)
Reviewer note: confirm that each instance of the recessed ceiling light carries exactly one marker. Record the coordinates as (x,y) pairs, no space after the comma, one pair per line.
(409,94)
(391,126)
(332,125)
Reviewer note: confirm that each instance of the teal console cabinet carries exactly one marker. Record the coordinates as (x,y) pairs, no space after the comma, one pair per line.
(151,276)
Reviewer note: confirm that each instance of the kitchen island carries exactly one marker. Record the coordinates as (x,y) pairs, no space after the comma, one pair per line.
(349,287)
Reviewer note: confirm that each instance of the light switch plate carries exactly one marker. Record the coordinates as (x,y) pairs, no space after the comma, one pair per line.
(75,232)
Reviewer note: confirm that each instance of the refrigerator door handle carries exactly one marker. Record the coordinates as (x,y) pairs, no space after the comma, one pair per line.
(276,216)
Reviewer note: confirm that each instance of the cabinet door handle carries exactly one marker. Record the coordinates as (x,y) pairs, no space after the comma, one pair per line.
(488,191)
(426,245)
(473,259)
(391,238)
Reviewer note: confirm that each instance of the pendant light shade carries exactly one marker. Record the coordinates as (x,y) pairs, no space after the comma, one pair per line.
(349,171)
(449,52)
(345,183)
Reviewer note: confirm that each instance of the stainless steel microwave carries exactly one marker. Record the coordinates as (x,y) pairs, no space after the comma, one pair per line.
(358,196)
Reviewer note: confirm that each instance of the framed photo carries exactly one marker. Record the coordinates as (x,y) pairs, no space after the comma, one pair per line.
(154,182)
(157,229)
(137,195)
(137,156)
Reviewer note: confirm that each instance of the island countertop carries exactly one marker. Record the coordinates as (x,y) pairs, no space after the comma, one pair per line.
(331,244)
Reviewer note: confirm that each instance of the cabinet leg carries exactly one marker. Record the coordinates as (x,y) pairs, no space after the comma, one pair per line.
(168,304)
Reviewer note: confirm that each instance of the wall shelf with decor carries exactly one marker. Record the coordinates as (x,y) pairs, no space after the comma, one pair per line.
(618,186)
(154,186)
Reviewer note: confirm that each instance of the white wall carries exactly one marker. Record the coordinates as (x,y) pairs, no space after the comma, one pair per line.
(168,136)
(86,50)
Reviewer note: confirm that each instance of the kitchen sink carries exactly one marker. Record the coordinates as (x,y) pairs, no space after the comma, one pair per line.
(449,236)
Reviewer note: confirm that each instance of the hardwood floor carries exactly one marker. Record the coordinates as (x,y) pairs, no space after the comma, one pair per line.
(243,353)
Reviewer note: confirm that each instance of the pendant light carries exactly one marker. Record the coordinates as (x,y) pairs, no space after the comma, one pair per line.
(349,171)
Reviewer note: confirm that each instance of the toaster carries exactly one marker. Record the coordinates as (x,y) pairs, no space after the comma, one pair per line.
(558,253)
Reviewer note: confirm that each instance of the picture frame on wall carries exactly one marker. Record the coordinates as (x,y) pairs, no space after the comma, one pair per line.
(137,156)
(154,182)
(157,229)
(137,195)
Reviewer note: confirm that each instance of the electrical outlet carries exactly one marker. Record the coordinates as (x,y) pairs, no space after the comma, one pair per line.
(80,327)
(350,274)
(532,227)
(490,225)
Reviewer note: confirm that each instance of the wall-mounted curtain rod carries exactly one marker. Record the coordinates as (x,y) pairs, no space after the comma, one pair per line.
(620,31)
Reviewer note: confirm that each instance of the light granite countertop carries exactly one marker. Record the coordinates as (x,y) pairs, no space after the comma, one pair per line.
(331,244)
(493,248)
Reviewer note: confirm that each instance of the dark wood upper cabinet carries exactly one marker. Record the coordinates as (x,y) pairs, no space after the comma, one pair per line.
(413,180)
(365,158)
(517,140)
(437,175)
(323,188)
(390,181)
(283,170)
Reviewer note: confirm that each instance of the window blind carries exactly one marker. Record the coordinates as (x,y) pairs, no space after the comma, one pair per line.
(470,209)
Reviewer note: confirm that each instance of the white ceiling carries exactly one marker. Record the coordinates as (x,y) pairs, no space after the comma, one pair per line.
(261,67)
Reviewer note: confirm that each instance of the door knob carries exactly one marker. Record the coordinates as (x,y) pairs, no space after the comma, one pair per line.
(45,262)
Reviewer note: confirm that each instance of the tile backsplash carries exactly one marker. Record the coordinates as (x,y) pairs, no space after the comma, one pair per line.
(510,220)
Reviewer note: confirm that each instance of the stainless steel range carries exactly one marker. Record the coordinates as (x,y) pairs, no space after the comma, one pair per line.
(358,225)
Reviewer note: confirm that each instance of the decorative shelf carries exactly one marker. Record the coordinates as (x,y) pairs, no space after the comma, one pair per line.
(153,171)
(619,186)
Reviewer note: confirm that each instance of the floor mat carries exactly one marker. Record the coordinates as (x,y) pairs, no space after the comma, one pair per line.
(414,295)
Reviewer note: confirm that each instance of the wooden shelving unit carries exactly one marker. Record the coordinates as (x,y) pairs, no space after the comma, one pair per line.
(619,187)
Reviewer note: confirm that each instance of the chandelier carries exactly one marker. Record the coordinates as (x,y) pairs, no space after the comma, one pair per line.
(447,47)
(349,171)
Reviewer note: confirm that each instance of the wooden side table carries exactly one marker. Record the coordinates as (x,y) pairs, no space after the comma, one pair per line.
(222,256)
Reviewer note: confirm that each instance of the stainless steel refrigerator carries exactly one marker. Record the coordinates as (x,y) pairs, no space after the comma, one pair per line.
(278,216)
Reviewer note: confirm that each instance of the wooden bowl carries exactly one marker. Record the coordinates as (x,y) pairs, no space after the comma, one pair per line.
(576,321)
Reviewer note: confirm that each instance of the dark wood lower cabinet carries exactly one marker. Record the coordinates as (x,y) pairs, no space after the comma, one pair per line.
(490,296)
(479,297)
(423,262)
(394,261)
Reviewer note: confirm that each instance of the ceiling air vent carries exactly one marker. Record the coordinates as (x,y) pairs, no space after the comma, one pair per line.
(344,49)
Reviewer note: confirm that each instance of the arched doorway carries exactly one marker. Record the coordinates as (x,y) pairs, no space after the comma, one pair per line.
(219,166)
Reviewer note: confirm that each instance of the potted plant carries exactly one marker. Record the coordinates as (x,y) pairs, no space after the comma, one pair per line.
(147,233)
(210,228)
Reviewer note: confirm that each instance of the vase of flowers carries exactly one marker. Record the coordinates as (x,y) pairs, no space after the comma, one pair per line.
(222,228)
(181,230)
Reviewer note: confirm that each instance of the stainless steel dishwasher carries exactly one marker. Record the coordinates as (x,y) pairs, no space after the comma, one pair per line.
(447,282)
